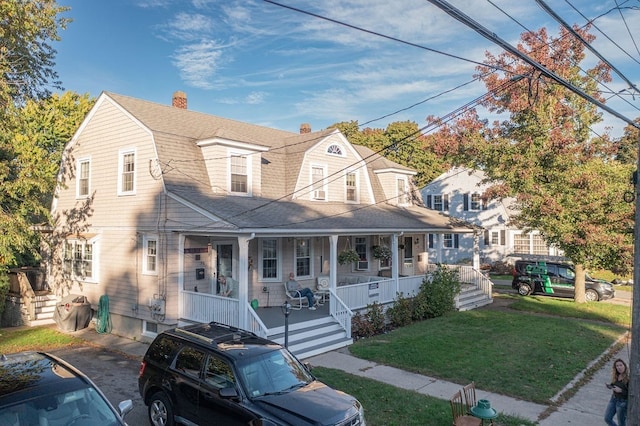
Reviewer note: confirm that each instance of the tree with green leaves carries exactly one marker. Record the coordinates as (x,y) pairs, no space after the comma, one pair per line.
(568,182)
(34,125)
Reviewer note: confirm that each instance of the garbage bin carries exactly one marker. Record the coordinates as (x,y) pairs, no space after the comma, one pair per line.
(73,313)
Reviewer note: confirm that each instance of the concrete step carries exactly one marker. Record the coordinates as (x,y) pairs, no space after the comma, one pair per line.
(312,337)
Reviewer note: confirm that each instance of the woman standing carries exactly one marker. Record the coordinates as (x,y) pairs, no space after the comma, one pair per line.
(620,387)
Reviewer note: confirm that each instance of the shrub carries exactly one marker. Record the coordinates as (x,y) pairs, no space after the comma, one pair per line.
(400,314)
(437,294)
(370,323)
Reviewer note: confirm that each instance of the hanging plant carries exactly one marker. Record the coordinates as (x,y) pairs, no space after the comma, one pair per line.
(348,256)
(381,252)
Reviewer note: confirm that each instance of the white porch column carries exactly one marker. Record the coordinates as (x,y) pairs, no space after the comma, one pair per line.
(243,279)
(395,262)
(333,261)
(476,251)
(181,239)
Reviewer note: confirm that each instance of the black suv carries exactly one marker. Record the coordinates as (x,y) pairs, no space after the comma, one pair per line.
(40,389)
(529,277)
(219,375)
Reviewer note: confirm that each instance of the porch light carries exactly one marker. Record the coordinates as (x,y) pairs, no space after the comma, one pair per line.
(286,310)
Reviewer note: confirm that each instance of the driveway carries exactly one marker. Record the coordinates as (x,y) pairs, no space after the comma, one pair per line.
(115,374)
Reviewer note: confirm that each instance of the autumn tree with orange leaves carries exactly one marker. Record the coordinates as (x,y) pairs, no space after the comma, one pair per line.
(569,183)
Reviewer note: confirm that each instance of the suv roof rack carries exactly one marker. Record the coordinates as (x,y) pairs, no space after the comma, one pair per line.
(215,333)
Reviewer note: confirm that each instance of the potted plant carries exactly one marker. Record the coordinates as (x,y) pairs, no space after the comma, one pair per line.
(381,252)
(348,256)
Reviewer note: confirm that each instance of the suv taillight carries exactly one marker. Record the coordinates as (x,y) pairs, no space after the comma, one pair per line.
(143,364)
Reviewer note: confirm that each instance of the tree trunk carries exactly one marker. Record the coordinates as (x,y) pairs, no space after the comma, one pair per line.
(578,297)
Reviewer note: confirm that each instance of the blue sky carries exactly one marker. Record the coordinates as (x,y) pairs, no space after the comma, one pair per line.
(253,61)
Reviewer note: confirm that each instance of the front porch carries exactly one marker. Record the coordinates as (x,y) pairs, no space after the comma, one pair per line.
(328,327)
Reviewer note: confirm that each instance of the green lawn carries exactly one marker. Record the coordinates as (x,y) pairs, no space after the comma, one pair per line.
(526,353)
(20,339)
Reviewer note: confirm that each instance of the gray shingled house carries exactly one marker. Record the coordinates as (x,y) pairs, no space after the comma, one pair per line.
(155,202)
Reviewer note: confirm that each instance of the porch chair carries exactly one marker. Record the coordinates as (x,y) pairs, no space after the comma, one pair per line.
(459,412)
(470,396)
(295,298)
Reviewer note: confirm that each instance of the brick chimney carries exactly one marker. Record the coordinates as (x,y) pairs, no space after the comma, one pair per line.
(305,128)
(179,99)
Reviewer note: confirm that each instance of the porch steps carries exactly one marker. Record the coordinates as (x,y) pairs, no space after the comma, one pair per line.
(44,307)
(312,337)
(471,297)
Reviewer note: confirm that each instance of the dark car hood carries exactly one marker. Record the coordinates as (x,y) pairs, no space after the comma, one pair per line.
(314,404)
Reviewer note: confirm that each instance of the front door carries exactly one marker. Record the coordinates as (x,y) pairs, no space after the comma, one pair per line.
(224,261)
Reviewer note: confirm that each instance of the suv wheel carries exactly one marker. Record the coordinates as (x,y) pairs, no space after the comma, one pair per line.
(160,410)
(524,289)
(591,295)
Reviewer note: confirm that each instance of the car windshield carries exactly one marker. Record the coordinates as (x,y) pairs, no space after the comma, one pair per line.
(272,373)
(80,407)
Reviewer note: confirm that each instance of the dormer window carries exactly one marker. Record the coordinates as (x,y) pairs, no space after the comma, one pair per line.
(334,149)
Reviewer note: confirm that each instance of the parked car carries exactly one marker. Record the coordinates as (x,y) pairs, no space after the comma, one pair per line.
(215,374)
(40,389)
(529,277)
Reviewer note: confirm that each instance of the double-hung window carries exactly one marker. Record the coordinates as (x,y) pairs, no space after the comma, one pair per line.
(303,257)
(127,172)
(361,247)
(239,174)
(317,183)
(83,183)
(150,255)
(403,193)
(351,186)
(269,261)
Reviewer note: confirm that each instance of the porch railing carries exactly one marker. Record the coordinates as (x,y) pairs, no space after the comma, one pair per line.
(469,275)
(254,323)
(340,312)
(358,296)
(204,308)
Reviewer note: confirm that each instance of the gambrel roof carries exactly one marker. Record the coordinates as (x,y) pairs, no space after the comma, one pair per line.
(176,133)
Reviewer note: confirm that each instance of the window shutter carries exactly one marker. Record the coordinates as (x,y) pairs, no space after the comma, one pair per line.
(445,201)
(456,241)
(503,237)
(430,240)
(486,238)
(465,205)
(485,204)
(429,206)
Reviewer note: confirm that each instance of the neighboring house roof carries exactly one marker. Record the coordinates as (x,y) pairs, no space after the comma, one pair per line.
(177,131)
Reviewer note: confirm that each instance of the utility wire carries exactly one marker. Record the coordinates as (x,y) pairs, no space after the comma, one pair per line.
(419,46)
(466,20)
(586,44)
(602,32)
(627,26)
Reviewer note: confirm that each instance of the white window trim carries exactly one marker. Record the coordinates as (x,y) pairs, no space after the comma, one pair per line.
(242,153)
(79,162)
(121,154)
(340,147)
(146,332)
(357,200)
(95,268)
(295,258)
(406,192)
(471,207)
(278,277)
(355,265)
(323,186)
(145,248)
(441,209)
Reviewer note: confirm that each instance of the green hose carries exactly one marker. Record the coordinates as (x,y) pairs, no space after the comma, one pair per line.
(103,322)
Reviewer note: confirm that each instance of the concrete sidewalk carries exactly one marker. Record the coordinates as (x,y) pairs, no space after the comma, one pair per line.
(586,407)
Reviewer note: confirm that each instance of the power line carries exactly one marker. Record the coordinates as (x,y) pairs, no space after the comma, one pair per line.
(627,26)
(602,32)
(586,44)
(466,20)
